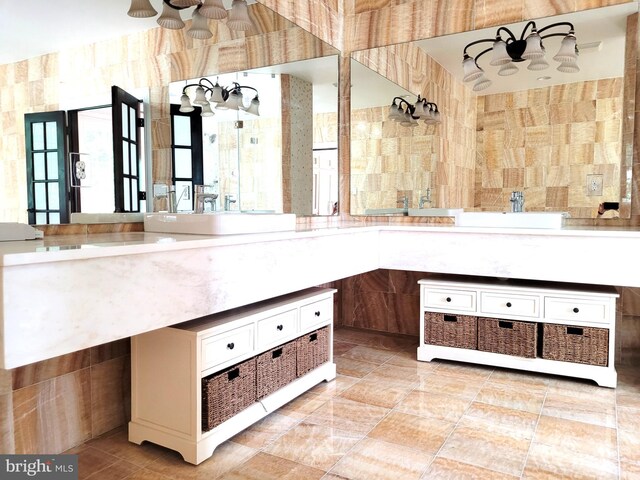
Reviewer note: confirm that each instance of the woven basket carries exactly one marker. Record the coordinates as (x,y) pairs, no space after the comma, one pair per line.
(575,344)
(507,337)
(275,368)
(228,392)
(312,350)
(451,330)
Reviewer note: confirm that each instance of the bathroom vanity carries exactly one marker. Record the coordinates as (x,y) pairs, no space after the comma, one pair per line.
(196,384)
(565,329)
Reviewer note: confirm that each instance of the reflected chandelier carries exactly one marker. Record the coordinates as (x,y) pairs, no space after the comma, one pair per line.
(506,53)
(222,98)
(237,18)
(408,114)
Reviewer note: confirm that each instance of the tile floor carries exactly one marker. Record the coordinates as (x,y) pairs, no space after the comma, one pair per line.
(388,416)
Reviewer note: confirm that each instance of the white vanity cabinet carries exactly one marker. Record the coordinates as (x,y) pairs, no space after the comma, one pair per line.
(563,329)
(169,365)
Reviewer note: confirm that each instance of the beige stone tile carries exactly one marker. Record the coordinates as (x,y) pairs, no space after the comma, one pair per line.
(501,416)
(465,371)
(423,433)
(485,444)
(334,387)
(375,339)
(119,470)
(317,446)
(510,396)
(629,446)
(581,407)
(368,354)
(353,368)
(110,394)
(267,467)
(406,376)
(265,431)
(435,405)
(408,360)
(144,474)
(356,417)
(558,462)
(578,436)
(450,385)
(340,348)
(372,391)
(520,379)
(447,469)
(381,460)
(91,460)
(629,471)
(628,419)
(304,405)
(225,458)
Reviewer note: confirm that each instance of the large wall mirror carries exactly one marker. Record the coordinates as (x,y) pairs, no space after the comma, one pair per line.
(557,137)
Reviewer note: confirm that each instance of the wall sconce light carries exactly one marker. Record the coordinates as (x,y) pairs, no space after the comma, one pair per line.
(506,53)
(237,18)
(408,115)
(222,98)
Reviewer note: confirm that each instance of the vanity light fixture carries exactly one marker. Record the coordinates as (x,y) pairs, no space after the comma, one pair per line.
(408,114)
(507,53)
(237,17)
(222,98)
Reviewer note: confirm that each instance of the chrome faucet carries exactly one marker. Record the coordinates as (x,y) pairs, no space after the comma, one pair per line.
(424,199)
(229,198)
(201,196)
(517,202)
(405,202)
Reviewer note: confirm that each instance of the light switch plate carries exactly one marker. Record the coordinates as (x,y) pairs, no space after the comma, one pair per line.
(594,185)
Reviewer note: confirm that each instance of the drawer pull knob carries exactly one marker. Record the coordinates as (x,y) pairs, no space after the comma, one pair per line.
(280,327)
(576,309)
(317,313)
(448,299)
(505,324)
(508,304)
(230,346)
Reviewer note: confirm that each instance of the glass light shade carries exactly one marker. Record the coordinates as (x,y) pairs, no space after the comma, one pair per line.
(568,67)
(534,47)
(141,9)
(567,52)
(239,16)
(185,104)
(436,116)
(408,120)
(508,69)
(170,18)
(200,98)
(500,55)
(213,9)
(184,3)
(254,106)
(206,110)
(199,27)
(482,83)
(216,94)
(419,109)
(538,64)
(234,102)
(471,70)
(395,112)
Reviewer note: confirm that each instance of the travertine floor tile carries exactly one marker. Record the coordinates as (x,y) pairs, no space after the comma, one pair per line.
(407,377)
(91,460)
(520,379)
(435,405)
(508,396)
(502,417)
(557,462)
(117,471)
(450,385)
(628,419)
(447,469)
(304,405)
(408,360)
(629,446)
(374,392)
(582,407)
(335,387)
(265,431)
(267,467)
(356,417)
(465,371)
(368,354)
(340,348)
(118,445)
(381,460)
(353,368)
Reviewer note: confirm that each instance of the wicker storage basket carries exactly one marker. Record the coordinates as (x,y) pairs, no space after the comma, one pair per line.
(275,368)
(228,392)
(575,344)
(507,337)
(451,330)
(312,350)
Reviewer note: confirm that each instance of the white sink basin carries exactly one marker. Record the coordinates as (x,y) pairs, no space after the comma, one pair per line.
(219,223)
(434,212)
(385,211)
(512,220)
(126,217)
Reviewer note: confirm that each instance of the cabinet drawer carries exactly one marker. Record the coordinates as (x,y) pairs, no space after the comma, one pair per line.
(510,304)
(567,309)
(452,300)
(277,329)
(316,313)
(220,348)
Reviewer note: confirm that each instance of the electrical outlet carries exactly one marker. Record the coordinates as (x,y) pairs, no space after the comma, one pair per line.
(594,185)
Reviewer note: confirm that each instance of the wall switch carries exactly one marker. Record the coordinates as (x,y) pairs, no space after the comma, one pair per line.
(594,185)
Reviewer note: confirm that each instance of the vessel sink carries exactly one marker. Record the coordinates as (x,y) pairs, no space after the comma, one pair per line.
(512,220)
(434,212)
(219,223)
(125,217)
(385,211)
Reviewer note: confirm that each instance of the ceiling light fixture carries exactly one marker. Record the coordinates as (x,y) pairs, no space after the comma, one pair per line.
(408,114)
(506,53)
(237,18)
(222,98)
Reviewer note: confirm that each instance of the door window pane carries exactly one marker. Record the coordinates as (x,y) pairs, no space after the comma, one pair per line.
(125,121)
(38,136)
(52,136)
(38,166)
(54,218)
(183,163)
(125,158)
(54,199)
(40,194)
(134,169)
(182,131)
(52,165)
(127,194)
(132,122)
(134,195)
(41,218)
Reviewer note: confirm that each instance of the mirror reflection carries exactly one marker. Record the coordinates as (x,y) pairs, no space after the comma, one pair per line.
(554,136)
(278,156)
